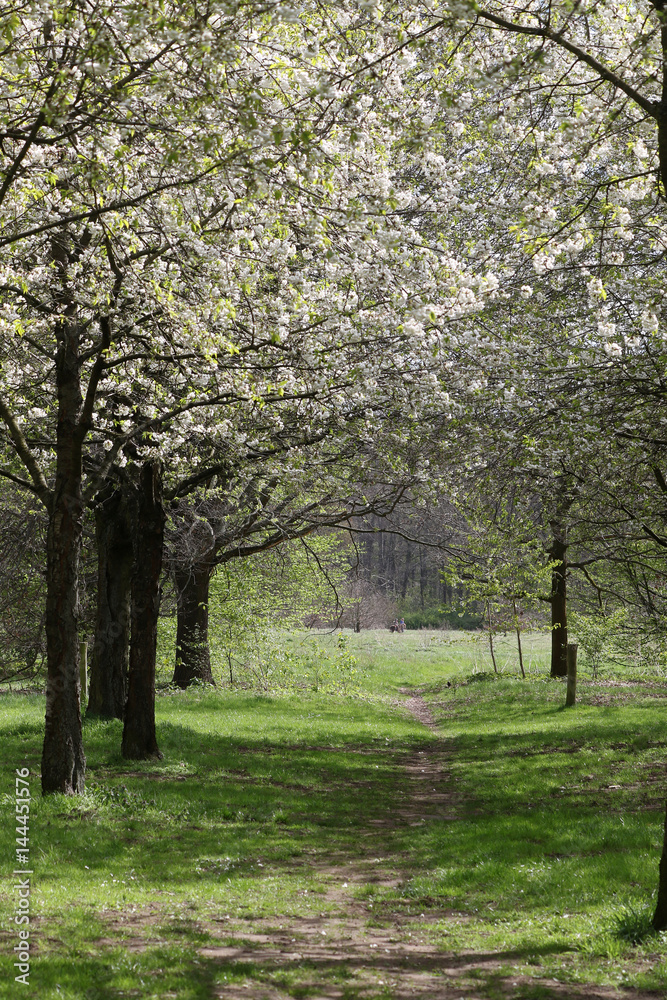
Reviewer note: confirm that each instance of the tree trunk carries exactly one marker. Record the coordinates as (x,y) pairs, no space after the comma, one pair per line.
(423,578)
(367,556)
(518,639)
(391,575)
(558,553)
(407,566)
(109,666)
(571,695)
(147,526)
(660,915)
(662,112)
(63,759)
(491,649)
(193,658)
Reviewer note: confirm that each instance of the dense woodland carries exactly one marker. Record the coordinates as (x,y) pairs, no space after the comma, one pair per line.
(274,275)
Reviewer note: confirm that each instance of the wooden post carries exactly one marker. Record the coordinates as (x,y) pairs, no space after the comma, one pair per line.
(571,695)
(518,638)
(493,655)
(83,669)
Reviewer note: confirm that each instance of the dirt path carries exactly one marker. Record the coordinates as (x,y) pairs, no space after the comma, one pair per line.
(349,954)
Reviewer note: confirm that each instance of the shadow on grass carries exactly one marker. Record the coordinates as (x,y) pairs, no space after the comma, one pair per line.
(172,971)
(226,805)
(113,973)
(230,805)
(255,793)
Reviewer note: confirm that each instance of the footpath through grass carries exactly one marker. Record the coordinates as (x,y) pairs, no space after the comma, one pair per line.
(309,845)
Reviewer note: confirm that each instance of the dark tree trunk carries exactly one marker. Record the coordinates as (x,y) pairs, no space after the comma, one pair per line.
(147,527)
(391,564)
(518,638)
(558,553)
(423,578)
(662,108)
(381,563)
(109,666)
(367,556)
(491,649)
(193,658)
(63,759)
(406,569)
(660,915)
(571,695)
(387,562)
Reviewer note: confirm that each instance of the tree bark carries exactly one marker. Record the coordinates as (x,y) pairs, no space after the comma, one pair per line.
(147,526)
(391,581)
(662,108)
(367,557)
(110,659)
(63,759)
(407,566)
(491,649)
(571,695)
(423,578)
(660,915)
(558,553)
(518,638)
(193,658)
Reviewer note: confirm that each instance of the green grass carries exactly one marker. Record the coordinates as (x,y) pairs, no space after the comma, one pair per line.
(388,662)
(541,851)
(251,793)
(554,853)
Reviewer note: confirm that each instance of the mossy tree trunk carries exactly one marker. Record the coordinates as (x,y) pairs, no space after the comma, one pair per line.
(193,658)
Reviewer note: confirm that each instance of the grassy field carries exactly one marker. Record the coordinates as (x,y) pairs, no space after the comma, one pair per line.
(389,662)
(476,841)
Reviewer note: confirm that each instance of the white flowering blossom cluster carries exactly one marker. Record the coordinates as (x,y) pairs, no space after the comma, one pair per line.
(264,232)
(255,235)
(540,166)
(219,240)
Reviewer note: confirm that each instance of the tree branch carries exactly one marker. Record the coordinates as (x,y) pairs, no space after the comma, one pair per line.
(40,487)
(651,108)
